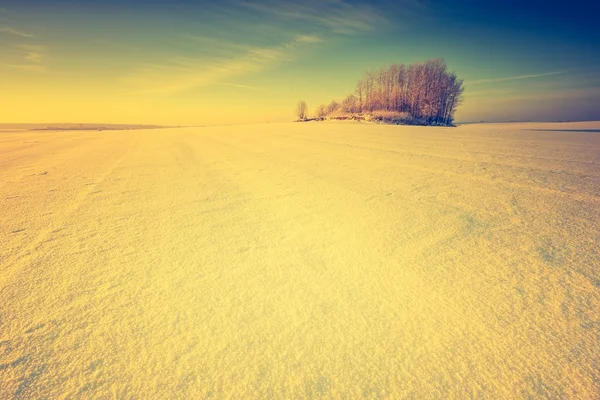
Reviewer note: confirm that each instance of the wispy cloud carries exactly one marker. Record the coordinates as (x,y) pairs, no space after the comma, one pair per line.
(27,67)
(115,45)
(32,53)
(15,32)
(559,87)
(179,74)
(27,57)
(212,58)
(217,43)
(237,85)
(308,39)
(512,78)
(336,16)
(558,94)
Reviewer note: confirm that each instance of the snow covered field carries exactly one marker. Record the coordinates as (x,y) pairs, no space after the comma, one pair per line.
(315,260)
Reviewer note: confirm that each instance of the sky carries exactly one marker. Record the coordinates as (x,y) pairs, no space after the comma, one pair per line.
(243,61)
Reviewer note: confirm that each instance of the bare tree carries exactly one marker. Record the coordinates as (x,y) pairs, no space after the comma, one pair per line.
(359,92)
(321,111)
(350,104)
(334,105)
(301,110)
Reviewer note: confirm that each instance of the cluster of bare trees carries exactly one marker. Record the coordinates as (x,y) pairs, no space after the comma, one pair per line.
(424,92)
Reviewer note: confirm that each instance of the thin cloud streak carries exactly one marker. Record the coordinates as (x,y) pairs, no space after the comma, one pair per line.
(15,32)
(32,53)
(27,67)
(183,73)
(115,45)
(237,85)
(218,43)
(512,78)
(336,16)
(558,95)
(308,39)
(26,57)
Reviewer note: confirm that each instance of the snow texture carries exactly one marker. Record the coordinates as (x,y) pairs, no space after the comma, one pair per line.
(306,260)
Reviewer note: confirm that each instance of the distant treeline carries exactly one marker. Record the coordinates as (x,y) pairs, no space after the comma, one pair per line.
(92,127)
(420,93)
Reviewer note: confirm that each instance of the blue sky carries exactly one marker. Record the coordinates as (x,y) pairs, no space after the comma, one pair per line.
(198,62)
